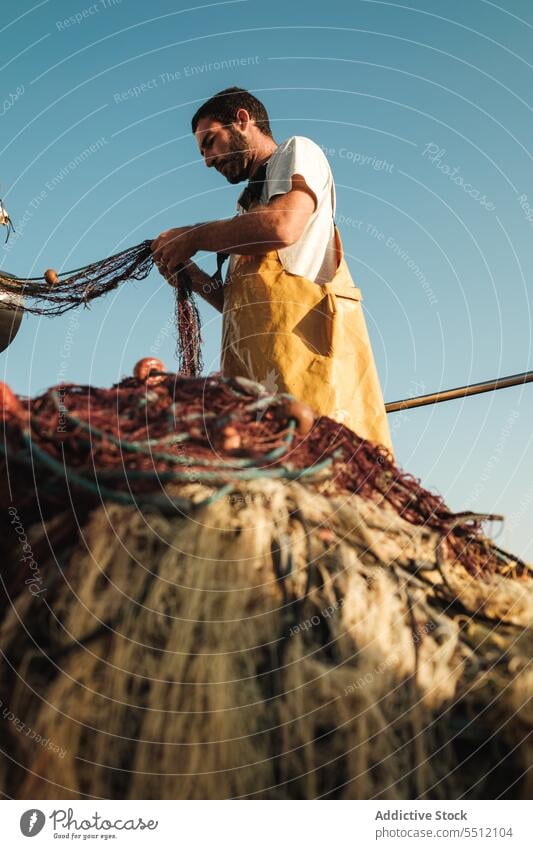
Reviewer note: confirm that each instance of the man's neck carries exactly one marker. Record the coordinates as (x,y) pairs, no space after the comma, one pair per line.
(263,151)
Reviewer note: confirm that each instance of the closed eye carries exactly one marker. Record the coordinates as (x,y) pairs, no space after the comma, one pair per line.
(208,142)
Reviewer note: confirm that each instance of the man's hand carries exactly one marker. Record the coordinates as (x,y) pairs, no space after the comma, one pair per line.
(172,248)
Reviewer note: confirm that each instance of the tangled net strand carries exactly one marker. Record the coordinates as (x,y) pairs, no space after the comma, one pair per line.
(81,286)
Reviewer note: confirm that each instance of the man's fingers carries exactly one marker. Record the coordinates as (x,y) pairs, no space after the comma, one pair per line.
(159,243)
(160,255)
(169,251)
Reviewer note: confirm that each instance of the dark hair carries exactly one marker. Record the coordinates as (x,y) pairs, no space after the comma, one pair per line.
(224,106)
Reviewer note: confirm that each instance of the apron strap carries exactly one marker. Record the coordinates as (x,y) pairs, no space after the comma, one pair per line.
(254,188)
(217,276)
(251,193)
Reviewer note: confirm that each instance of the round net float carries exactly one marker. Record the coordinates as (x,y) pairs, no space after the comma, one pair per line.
(229,431)
(50,275)
(300,412)
(231,439)
(144,368)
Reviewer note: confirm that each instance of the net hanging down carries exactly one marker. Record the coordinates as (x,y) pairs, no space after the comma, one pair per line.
(56,293)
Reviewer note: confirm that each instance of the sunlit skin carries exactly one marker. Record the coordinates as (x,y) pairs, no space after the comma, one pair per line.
(236,152)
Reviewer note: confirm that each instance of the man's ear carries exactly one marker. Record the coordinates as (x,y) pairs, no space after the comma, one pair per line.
(242,118)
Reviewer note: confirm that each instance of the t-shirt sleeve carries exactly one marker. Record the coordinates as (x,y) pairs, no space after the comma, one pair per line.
(298,155)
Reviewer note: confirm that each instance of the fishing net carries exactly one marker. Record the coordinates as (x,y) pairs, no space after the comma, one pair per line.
(56,293)
(278,644)
(208,593)
(132,442)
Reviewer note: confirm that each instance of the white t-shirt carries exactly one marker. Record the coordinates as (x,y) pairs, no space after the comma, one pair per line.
(314,255)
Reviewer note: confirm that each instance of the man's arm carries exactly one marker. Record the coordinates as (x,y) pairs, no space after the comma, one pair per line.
(276,225)
(202,284)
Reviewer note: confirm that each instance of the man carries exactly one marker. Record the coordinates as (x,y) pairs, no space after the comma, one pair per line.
(292,317)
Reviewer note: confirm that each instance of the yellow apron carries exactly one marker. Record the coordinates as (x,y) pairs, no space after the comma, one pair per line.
(309,340)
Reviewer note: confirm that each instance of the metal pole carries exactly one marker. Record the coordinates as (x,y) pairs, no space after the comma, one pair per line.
(460,392)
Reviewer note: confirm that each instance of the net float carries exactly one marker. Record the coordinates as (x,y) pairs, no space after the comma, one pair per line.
(144,368)
(302,414)
(229,430)
(231,439)
(232,442)
(50,275)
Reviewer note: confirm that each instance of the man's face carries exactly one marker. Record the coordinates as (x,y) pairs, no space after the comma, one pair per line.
(224,147)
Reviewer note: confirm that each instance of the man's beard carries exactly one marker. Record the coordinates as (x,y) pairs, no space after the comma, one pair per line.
(235,164)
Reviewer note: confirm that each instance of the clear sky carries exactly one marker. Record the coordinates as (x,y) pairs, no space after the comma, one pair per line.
(425,111)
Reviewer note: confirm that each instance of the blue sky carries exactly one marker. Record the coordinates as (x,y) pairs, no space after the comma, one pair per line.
(425,112)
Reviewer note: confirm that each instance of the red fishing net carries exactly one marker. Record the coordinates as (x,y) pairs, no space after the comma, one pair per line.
(141,440)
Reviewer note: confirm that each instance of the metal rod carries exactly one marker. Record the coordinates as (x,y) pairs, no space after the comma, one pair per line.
(460,392)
